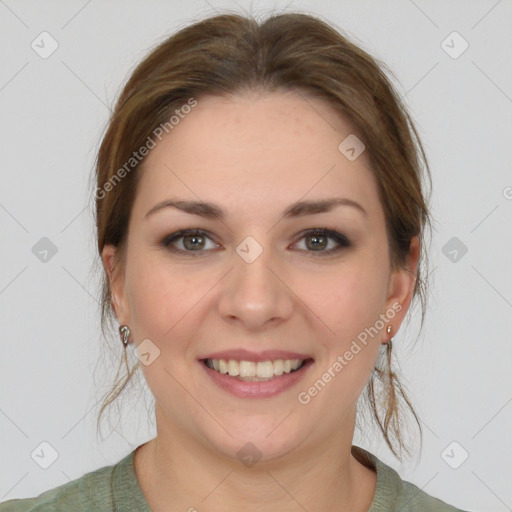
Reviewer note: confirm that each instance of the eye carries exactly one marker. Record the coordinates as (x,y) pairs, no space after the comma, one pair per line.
(319,239)
(190,240)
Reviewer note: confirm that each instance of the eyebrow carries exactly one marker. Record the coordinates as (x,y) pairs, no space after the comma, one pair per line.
(297,209)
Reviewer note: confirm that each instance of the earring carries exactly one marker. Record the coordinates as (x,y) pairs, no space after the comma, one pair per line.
(388,330)
(124,332)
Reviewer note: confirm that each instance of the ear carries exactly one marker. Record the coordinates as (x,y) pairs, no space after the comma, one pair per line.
(401,287)
(116,281)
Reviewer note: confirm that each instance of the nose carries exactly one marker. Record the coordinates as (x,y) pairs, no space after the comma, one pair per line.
(255,295)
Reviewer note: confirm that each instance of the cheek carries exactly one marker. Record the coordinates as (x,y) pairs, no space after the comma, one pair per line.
(162,305)
(349,298)
(349,304)
(159,298)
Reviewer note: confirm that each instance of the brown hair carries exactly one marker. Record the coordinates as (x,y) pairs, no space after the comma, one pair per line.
(229,54)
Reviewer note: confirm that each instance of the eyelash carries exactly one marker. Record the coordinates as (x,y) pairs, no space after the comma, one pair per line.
(342,241)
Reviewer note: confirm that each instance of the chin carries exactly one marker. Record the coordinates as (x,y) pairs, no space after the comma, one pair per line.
(252,439)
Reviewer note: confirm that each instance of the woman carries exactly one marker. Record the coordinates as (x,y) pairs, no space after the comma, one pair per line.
(260,212)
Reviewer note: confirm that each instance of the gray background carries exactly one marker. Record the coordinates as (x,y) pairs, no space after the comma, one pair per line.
(53,114)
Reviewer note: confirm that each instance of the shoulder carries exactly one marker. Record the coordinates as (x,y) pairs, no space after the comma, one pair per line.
(392,494)
(93,491)
(412,497)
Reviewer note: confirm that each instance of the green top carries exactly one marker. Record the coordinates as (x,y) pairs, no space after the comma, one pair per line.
(116,488)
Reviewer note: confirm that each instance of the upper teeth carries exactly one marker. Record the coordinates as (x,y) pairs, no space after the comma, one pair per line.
(252,368)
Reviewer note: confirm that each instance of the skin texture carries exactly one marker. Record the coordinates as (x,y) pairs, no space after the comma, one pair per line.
(254,155)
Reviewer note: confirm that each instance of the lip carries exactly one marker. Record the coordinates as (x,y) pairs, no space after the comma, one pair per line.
(254,389)
(246,355)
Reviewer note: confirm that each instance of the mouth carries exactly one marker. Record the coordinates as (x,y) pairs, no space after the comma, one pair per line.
(255,379)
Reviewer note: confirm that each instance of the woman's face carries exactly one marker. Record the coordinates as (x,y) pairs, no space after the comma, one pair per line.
(256,284)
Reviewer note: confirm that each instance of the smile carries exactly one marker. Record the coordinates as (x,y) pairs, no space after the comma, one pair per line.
(255,379)
(252,370)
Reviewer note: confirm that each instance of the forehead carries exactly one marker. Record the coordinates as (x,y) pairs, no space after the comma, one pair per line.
(256,148)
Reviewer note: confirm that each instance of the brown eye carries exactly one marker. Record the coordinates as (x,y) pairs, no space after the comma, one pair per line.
(316,242)
(193,242)
(188,241)
(319,239)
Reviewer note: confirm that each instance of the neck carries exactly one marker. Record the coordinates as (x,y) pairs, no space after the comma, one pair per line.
(175,470)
